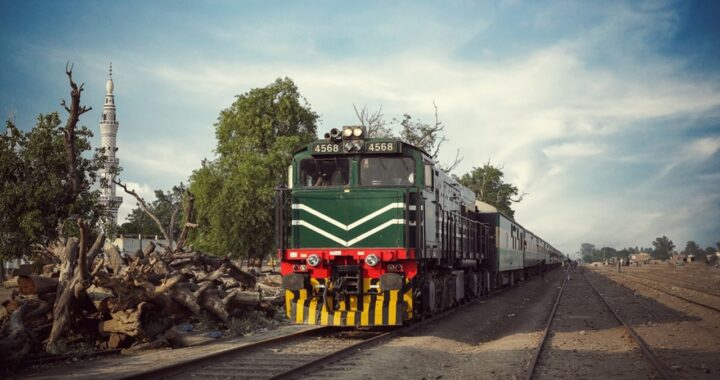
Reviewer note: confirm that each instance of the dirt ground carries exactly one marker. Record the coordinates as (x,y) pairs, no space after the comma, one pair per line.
(497,337)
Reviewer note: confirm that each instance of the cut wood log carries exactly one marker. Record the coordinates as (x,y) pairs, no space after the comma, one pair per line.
(245,298)
(210,300)
(32,284)
(128,322)
(118,340)
(11,283)
(114,260)
(185,297)
(149,248)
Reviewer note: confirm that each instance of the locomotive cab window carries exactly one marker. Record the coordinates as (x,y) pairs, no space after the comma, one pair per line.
(324,172)
(387,171)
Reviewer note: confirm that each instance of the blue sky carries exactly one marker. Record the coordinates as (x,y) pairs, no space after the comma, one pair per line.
(606,113)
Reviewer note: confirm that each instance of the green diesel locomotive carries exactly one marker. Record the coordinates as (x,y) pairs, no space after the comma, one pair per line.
(372,233)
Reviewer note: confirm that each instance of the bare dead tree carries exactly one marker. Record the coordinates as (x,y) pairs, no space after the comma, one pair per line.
(74,112)
(374,123)
(144,206)
(188,214)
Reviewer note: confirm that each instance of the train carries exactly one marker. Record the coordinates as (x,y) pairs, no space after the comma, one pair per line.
(372,232)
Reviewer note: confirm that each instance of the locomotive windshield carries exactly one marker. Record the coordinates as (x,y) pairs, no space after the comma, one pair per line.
(387,171)
(324,172)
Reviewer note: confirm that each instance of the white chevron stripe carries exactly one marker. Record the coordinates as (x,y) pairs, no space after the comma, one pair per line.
(350,242)
(319,231)
(346,227)
(375,230)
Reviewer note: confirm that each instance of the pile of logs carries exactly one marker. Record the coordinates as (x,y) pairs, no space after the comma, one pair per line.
(98,296)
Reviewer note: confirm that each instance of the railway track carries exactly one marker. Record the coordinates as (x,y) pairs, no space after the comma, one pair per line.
(637,279)
(274,358)
(543,350)
(712,290)
(288,356)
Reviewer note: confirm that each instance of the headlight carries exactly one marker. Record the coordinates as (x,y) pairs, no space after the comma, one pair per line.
(372,260)
(348,146)
(358,144)
(313,260)
(347,132)
(357,131)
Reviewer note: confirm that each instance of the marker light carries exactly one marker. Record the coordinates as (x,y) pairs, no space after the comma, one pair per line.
(313,260)
(357,131)
(347,132)
(372,260)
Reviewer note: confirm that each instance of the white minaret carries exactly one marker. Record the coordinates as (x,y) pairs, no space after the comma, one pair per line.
(108,133)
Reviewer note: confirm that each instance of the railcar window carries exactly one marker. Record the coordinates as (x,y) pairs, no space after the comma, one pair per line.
(387,171)
(324,172)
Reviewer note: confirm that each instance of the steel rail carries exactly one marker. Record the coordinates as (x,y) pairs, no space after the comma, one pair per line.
(174,368)
(640,342)
(337,355)
(675,295)
(536,357)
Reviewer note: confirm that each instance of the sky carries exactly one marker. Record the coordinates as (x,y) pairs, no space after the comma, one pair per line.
(605,113)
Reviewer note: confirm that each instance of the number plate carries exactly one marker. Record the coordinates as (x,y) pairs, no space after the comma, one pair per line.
(382,147)
(326,148)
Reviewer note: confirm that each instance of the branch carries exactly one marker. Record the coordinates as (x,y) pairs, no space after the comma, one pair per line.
(146,209)
(171,228)
(458,159)
(519,199)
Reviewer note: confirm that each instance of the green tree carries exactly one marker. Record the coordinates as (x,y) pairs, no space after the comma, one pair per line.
(489,187)
(663,248)
(589,253)
(38,201)
(234,194)
(691,248)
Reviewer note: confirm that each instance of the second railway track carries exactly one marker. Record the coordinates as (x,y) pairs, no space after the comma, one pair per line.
(581,314)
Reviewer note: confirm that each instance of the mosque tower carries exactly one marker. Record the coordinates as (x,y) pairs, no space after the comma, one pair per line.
(108,132)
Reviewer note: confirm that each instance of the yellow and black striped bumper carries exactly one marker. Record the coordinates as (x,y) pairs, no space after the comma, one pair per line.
(379,308)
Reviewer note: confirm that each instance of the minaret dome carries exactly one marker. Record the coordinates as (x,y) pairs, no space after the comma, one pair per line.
(109,85)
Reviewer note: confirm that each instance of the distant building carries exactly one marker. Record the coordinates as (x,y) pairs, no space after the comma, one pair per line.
(108,132)
(130,244)
(640,257)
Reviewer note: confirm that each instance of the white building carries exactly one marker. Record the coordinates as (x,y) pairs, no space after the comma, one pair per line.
(130,244)
(108,132)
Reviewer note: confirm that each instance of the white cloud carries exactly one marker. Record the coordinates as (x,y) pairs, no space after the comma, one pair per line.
(572,150)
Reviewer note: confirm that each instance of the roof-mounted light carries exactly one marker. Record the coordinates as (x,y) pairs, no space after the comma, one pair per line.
(357,131)
(347,132)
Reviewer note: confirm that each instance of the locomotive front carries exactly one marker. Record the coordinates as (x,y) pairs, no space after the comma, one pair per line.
(347,231)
